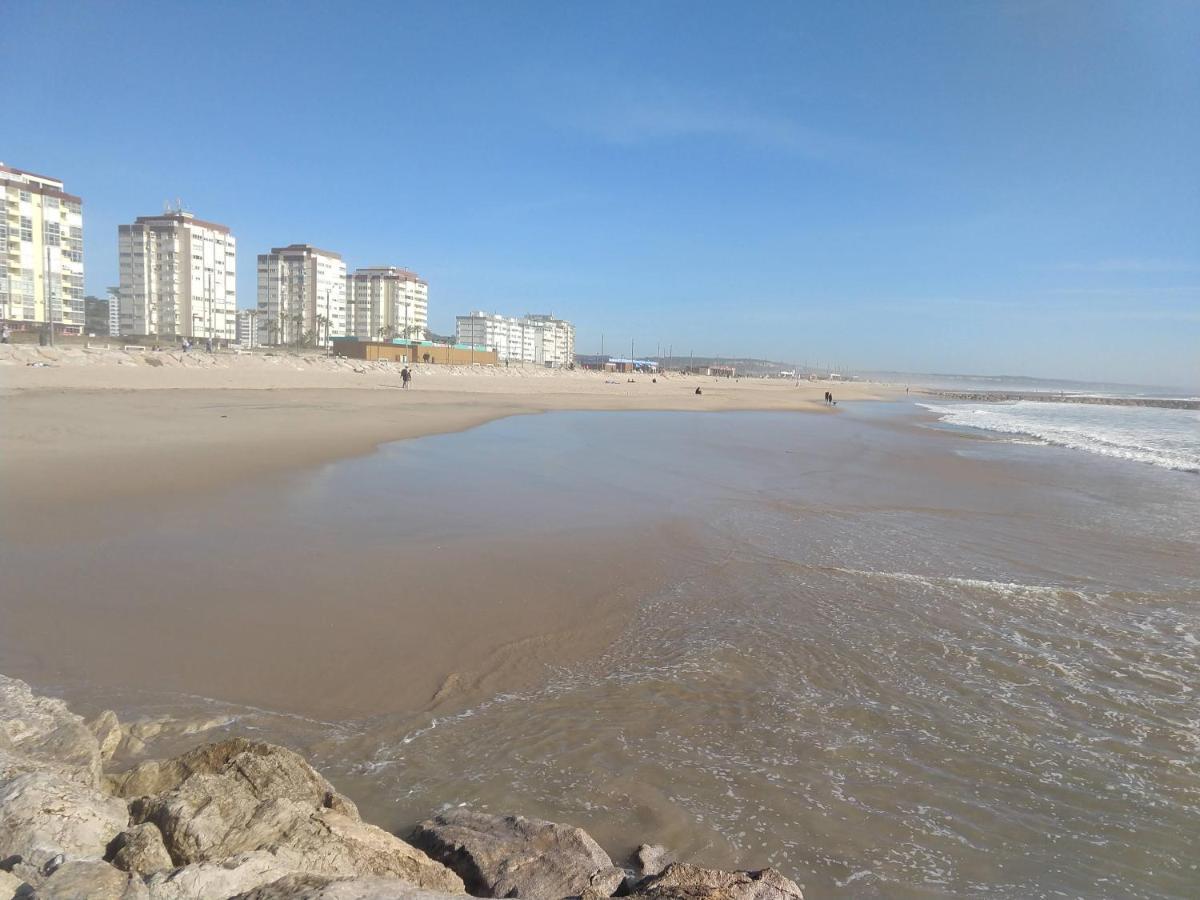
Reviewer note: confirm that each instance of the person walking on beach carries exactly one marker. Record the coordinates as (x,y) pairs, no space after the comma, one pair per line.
(405,377)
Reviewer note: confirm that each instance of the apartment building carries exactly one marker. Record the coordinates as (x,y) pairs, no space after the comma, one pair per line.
(41,253)
(301,295)
(114,310)
(178,277)
(248,328)
(387,302)
(96,315)
(539,339)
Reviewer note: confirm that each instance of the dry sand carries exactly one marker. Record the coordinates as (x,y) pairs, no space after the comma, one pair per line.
(104,424)
(96,439)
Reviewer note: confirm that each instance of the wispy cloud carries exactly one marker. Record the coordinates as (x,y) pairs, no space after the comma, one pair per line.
(656,114)
(1143,265)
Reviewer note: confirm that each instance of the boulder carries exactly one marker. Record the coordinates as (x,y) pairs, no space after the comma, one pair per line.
(680,881)
(239,796)
(202,881)
(107,730)
(511,856)
(43,816)
(41,734)
(140,849)
(321,887)
(651,859)
(9,885)
(90,880)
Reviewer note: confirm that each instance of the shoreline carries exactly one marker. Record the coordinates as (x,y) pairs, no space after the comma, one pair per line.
(103,432)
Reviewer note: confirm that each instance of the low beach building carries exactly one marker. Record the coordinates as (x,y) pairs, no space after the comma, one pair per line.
(411,352)
(301,296)
(386,302)
(178,277)
(41,253)
(539,339)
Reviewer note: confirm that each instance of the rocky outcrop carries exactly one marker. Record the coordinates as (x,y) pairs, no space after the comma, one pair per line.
(511,856)
(107,730)
(140,849)
(651,859)
(252,821)
(222,878)
(680,881)
(239,796)
(90,880)
(41,734)
(320,887)
(44,816)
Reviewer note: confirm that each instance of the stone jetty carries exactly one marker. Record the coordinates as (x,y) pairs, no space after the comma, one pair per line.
(250,820)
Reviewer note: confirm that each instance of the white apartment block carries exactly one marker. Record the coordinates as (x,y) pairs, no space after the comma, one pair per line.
(386,302)
(178,277)
(114,311)
(301,295)
(248,328)
(539,339)
(41,253)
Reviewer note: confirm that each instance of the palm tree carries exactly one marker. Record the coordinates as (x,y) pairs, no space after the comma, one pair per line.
(323,325)
(385,332)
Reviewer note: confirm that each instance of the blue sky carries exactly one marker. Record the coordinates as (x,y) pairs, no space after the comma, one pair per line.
(973,187)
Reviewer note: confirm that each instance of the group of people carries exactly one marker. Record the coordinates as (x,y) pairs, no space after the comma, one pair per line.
(186,345)
(405,377)
(829,399)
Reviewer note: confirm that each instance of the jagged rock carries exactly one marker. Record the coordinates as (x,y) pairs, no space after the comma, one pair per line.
(680,881)
(107,730)
(9,885)
(511,856)
(43,815)
(41,734)
(238,796)
(320,887)
(140,849)
(201,881)
(270,772)
(652,859)
(90,880)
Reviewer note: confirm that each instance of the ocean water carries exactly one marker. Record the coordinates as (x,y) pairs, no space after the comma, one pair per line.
(884,662)
(1162,437)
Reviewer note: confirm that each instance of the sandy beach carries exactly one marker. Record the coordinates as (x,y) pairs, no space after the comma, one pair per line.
(98,424)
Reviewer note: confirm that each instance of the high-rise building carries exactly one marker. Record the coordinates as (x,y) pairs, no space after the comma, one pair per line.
(41,253)
(386,302)
(301,295)
(539,339)
(114,310)
(178,277)
(248,327)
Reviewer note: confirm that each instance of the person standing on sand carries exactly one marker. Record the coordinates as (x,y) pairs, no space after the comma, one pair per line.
(5,334)
(405,377)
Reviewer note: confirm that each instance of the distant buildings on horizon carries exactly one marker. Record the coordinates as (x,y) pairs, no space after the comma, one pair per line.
(178,279)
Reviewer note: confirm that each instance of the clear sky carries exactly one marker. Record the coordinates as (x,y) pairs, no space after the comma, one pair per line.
(972,187)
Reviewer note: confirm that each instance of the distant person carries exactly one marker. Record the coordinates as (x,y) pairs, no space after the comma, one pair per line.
(208,344)
(405,376)
(185,345)
(5,334)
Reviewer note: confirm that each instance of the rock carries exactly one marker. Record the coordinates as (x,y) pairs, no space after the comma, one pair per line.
(321,887)
(270,772)
(239,796)
(201,881)
(140,849)
(680,881)
(511,856)
(9,885)
(107,730)
(41,734)
(43,815)
(90,880)
(652,859)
